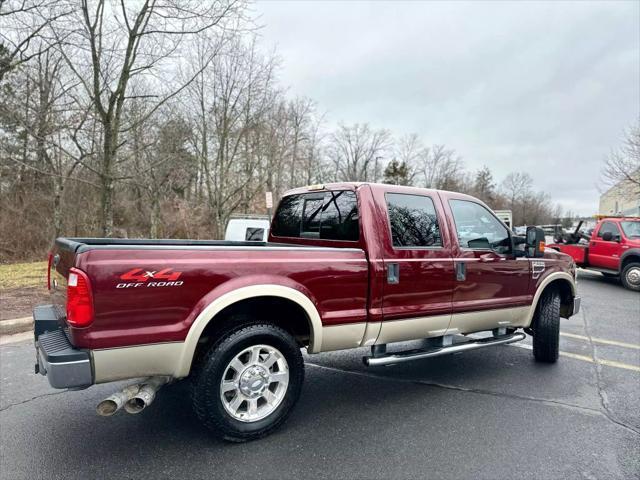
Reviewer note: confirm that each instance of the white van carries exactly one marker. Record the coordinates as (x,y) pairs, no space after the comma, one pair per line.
(248,228)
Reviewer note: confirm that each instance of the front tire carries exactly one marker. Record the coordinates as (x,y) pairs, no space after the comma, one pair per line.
(248,382)
(631,276)
(546,328)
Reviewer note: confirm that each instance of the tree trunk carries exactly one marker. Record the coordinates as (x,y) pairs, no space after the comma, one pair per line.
(58,188)
(107,206)
(106,180)
(155,216)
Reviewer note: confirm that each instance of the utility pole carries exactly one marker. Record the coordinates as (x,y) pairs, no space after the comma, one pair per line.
(375,170)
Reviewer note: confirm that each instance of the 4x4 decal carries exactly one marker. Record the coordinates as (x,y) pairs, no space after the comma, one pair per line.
(138,277)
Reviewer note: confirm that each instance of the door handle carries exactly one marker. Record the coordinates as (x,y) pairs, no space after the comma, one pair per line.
(461,271)
(487,257)
(393,273)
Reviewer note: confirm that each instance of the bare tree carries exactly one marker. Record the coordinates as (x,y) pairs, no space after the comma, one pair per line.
(516,185)
(623,164)
(124,42)
(235,96)
(166,117)
(23,27)
(356,152)
(409,151)
(47,123)
(441,168)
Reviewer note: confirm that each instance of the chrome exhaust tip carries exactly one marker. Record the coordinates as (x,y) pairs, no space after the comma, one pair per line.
(110,405)
(145,395)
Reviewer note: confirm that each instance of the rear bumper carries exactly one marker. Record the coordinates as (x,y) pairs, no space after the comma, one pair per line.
(64,365)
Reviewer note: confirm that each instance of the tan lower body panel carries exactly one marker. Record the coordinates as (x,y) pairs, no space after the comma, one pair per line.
(164,358)
(413,328)
(470,322)
(340,337)
(138,361)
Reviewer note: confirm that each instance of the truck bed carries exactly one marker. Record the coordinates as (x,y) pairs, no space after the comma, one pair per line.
(577,252)
(80,245)
(150,291)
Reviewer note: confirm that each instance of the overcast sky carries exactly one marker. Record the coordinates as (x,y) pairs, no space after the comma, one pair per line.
(544,87)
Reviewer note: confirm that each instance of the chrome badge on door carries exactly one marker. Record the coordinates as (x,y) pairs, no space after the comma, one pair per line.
(537,268)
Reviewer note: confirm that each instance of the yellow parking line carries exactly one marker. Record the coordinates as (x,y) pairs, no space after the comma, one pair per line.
(601,340)
(601,361)
(585,358)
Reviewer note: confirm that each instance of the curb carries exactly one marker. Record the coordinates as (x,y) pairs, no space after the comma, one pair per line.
(16,325)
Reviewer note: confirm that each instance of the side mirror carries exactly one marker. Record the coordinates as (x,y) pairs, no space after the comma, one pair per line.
(535,242)
(519,240)
(607,236)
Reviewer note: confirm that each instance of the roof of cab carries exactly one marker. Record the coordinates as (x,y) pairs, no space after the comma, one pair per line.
(376,187)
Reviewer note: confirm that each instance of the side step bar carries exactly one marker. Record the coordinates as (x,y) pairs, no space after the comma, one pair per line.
(399,357)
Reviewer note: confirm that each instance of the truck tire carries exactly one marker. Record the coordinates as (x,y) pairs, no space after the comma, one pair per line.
(546,328)
(631,276)
(248,382)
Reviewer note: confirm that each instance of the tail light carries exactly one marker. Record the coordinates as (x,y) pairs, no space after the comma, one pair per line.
(79,299)
(49,261)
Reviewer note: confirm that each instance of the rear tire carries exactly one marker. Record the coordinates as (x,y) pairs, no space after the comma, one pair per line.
(631,276)
(546,328)
(248,382)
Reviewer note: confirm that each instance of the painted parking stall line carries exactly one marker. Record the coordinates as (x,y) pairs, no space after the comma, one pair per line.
(601,340)
(585,358)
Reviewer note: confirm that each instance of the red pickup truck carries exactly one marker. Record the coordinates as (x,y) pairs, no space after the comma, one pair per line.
(347,265)
(612,249)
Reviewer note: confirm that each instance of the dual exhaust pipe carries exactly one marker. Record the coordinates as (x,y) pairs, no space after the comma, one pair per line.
(133,398)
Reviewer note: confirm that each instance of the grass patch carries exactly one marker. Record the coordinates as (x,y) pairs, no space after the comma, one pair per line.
(16,275)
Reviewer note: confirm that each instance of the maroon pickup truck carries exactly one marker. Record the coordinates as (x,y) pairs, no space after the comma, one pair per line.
(347,265)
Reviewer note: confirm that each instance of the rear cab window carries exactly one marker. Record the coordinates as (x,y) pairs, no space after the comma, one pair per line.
(413,221)
(331,215)
(477,228)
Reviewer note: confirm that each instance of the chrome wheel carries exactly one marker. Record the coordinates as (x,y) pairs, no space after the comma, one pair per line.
(633,276)
(254,383)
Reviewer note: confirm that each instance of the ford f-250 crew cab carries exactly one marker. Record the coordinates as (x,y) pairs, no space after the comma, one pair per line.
(347,265)
(613,248)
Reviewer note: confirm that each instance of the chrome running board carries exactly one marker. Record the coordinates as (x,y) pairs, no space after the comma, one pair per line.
(399,357)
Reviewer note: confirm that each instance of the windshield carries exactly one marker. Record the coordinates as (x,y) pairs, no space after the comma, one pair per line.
(631,229)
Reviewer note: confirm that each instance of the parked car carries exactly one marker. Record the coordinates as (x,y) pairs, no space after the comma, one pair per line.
(347,265)
(249,228)
(506,216)
(612,248)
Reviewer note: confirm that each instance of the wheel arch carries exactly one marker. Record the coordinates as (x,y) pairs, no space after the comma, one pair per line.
(238,300)
(564,284)
(629,256)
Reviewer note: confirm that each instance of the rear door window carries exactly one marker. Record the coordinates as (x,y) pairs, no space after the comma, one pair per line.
(413,221)
(326,216)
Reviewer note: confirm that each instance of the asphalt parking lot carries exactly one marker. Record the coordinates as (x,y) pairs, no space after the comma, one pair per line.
(491,413)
